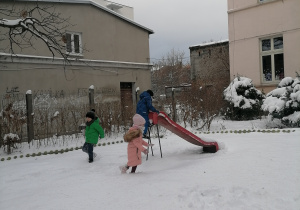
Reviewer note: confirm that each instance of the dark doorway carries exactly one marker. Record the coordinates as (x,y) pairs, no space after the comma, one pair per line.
(127,102)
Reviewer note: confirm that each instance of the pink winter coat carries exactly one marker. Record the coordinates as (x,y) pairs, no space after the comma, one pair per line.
(135,146)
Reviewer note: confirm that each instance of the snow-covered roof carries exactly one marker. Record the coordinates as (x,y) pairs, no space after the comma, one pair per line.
(96,5)
(209,43)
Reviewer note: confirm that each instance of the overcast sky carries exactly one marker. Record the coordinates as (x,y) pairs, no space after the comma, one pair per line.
(180,24)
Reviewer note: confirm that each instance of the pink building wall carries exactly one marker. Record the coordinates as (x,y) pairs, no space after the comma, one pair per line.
(250,21)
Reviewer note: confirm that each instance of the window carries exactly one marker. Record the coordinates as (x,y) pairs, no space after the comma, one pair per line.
(73,43)
(272,59)
(266,1)
(262,1)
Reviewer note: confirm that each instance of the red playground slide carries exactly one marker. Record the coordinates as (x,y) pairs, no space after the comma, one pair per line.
(163,120)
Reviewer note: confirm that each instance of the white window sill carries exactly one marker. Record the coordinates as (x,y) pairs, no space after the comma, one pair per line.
(75,55)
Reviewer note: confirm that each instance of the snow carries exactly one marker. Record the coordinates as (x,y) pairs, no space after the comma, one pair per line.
(210,43)
(255,170)
(278,92)
(92,87)
(283,98)
(286,82)
(56,114)
(10,136)
(293,118)
(10,22)
(296,96)
(28,92)
(272,104)
(231,95)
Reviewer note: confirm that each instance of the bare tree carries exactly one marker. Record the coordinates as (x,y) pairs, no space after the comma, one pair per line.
(23,27)
(170,70)
(200,102)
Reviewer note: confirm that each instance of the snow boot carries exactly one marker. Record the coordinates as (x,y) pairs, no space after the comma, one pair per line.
(123,169)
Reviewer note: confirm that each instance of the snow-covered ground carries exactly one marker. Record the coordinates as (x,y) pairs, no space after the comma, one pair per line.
(256,170)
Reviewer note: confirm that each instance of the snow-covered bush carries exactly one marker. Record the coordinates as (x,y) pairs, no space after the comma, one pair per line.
(244,100)
(284,102)
(10,142)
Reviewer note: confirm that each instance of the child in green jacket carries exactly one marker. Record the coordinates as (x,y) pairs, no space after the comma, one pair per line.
(92,132)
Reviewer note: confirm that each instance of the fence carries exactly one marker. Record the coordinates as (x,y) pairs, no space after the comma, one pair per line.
(41,116)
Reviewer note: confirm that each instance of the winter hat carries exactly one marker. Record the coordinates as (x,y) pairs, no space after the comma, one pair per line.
(138,120)
(150,92)
(90,115)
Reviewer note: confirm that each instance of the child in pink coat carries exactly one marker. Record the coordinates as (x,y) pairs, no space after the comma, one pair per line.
(135,144)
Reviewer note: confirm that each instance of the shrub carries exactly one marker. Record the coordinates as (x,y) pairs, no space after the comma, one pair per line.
(243,99)
(284,102)
(11,140)
(2,159)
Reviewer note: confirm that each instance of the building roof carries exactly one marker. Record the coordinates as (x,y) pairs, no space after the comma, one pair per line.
(209,44)
(96,5)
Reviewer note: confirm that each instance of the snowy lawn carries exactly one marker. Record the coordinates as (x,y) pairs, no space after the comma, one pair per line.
(250,171)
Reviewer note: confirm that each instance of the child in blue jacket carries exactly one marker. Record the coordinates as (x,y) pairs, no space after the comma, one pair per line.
(144,106)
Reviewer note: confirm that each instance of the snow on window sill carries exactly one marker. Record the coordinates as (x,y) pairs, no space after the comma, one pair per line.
(75,54)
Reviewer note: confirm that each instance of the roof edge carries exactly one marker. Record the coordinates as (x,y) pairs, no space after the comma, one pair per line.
(91,3)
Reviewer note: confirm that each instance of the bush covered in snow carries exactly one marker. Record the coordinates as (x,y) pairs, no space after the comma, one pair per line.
(244,100)
(10,142)
(284,102)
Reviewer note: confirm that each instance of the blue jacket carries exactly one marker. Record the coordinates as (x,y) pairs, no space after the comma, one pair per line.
(145,104)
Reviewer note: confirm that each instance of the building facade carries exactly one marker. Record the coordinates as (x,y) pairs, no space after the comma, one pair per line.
(264,40)
(210,60)
(105,48)
(210,70)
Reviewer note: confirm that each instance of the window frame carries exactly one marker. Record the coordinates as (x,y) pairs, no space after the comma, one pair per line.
(272,52)
(265,1)
(72,52)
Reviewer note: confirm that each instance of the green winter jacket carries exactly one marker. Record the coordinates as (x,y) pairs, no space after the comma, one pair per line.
(92,131)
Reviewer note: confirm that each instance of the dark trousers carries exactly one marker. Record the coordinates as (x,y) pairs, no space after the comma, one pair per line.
(147,124)
(132,169)
(88,148)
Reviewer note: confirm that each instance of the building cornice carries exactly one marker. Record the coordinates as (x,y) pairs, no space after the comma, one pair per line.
(29,59)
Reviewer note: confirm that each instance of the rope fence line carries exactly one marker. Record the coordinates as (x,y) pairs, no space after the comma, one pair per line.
(264,131)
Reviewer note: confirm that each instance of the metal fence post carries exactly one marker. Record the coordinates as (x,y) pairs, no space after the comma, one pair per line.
(91,97)
(29,112)
(173,105)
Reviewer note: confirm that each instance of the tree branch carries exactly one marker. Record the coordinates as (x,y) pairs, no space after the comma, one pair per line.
(39,23)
